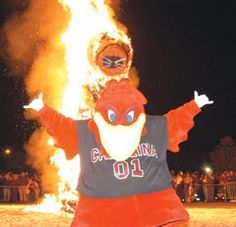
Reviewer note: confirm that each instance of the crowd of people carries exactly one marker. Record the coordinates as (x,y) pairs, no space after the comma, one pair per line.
(19,187)
(207,187)
(190,186)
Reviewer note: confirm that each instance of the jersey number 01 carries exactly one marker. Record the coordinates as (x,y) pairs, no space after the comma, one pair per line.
(122,169)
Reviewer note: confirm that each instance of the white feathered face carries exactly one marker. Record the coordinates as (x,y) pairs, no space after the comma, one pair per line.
(120,140)
(119,120)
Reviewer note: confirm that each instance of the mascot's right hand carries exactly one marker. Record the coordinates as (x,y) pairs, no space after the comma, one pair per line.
(37,104)
(201,100)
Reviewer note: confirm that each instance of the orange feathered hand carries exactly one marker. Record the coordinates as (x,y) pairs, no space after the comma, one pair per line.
(179,122)
(62,129)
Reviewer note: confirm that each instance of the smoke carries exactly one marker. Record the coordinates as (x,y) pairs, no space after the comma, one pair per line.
(39,154)
(115,10)
(115,6)
(32,49)
(31,45)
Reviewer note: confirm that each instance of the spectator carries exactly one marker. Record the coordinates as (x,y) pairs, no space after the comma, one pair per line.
(6,188)
(231,186)
(221,189)
(1,187)
(188,188)
(208,187)
(179,185)
(33,190)
(14,188)
(197,186)
(22,182)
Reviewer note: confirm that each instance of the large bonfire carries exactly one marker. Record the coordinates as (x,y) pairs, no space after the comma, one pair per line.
(91,31)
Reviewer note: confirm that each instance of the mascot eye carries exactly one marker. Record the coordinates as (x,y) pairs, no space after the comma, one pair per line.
(130,116)
(111,115)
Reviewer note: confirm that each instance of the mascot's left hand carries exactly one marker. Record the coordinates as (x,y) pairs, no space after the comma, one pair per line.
(37,104)
(201,100)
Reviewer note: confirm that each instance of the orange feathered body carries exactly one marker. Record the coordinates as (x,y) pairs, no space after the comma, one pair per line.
(146,210)
(161,208)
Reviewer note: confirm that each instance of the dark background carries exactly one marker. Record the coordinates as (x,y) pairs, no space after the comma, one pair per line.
(179,46)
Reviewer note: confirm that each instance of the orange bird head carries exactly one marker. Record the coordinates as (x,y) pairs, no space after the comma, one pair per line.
(119,118)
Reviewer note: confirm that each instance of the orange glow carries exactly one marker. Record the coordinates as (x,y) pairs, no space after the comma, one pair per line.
(89,21)
(7,151)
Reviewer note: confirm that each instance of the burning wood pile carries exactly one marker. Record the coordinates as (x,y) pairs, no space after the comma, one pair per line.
(96,48)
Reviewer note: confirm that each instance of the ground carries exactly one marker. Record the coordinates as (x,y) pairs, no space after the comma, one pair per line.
(201,214)
(212,214)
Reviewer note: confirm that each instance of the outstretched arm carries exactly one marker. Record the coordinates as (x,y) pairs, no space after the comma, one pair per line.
(180,120)
(62,129)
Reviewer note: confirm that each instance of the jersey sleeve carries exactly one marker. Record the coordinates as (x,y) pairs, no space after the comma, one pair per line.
(62,129)
(179,123)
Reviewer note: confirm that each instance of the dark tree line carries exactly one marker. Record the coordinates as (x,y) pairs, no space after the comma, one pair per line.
(224,155)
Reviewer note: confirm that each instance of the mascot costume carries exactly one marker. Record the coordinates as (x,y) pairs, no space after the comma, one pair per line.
(124,178)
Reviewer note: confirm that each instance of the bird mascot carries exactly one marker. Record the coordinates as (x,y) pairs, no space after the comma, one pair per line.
(124,179)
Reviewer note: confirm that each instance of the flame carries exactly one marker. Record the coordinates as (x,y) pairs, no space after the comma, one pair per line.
(89,21)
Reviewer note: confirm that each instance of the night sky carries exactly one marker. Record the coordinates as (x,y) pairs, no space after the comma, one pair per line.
(179,46)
